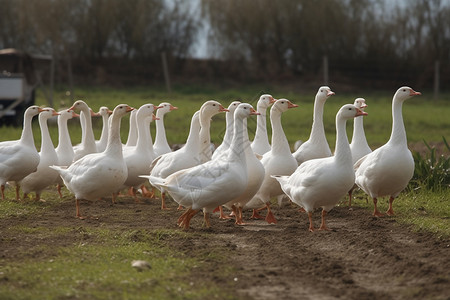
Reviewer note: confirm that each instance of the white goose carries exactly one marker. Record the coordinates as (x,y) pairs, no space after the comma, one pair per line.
(87,145)
(189,155)
(98,174)
(256,172)
(387,170)
(161,146)
(104,112)
(132,131)
(208,185)
(64,150)
(19,158)
(278,161)
(139,158)
(260,144)
(229,121)
(44,176)
(322,182)
(358,146)
(316,146)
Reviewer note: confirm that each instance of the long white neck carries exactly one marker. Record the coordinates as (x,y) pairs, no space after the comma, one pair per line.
(280,144)
(229,131)
(105,128)
(205,139)
(317,130)
(64,142)
(144,140)
(27,132)
(398,134)
(193,140)
(114,146)
(46,140)
(88,137)
(261,126)
(132,133)
(342,153)
(160,138)
(359,136)
(237,152)
(246,142)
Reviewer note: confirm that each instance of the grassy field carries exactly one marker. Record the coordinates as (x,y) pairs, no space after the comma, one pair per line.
(424,118)
(95,263)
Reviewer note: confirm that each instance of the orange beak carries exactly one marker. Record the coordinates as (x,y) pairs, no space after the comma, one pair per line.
(330,93)
(360,113)
(55,113)
(292,105)
(253,112)
(110,111)
(364,106)
(272,100)
(41,110)
(221,108)
(414,93)
(173,107)
(129,108)
(154,118)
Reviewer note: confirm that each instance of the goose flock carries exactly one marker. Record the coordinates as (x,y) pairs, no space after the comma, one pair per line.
(239,175)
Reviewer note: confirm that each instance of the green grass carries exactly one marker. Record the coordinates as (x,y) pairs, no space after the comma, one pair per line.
(424,117)
(97,265)
(423,209)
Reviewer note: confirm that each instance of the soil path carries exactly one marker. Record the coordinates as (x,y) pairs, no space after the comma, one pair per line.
(362,257)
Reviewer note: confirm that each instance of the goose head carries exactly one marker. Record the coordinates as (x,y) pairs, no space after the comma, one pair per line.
(67,114)
(360,103)
(121,110)
(165,108)
(79,105)
(147,110)
(282,105)
(211,108)
(33,110)
(350,111)
(47,113)
(405,93)
(245,110)
(265,101)
(232,107)
(104,111)
(323,93)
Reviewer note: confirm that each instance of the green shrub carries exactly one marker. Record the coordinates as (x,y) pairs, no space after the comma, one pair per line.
(432,171)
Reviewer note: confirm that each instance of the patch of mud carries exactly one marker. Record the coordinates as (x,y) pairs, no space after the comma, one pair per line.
(362,257)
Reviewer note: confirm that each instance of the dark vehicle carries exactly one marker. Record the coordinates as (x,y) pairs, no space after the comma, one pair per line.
(20,75)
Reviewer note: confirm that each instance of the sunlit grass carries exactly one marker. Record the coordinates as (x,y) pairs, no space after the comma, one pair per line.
(425,210)
(424,118)
(98,266)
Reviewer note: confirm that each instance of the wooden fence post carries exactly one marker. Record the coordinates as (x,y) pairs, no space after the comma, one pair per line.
(436,80)
(166,72)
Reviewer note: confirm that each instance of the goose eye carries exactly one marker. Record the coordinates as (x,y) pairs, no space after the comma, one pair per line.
(321,91)
(404,90)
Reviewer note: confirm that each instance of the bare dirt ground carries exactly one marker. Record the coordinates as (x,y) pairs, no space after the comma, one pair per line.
(362,257)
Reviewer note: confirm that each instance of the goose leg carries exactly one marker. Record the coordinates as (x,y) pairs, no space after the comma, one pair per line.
(147,193)
(376,212)
(239,218)
(183,215)
(77,204)
(206,218)
(163,201)
(256,214)
(311,224)
(17,191)
(222,216)
(390,211)
(322,225)
(58,187)
(350,198)
(270,218)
